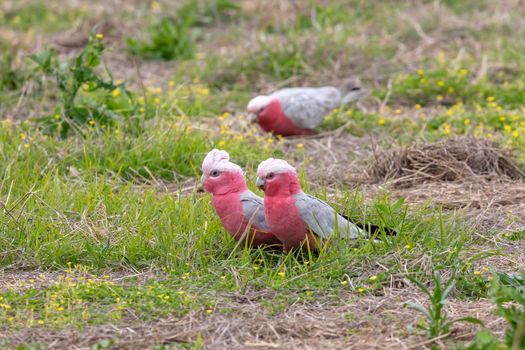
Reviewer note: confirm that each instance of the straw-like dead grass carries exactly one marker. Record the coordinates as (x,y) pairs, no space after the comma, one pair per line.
(450,160)
(367,322)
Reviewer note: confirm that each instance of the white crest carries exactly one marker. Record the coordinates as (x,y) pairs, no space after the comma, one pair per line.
(272,165)
(218,160)
(258,102)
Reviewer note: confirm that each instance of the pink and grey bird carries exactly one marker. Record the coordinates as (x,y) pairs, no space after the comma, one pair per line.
(296,218)
(298,111)
(238,208)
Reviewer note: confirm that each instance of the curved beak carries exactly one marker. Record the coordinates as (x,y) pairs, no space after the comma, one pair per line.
(260,183)
(252,117)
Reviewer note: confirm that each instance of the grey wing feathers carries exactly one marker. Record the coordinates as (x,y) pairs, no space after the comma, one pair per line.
(307,107)
(253,208)
(320,217)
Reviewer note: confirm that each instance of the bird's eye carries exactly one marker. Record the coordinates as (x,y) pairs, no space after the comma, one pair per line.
(215,173)
(261,109)
(270,176)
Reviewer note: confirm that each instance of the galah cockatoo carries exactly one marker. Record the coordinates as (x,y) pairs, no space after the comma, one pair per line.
(238,208)
(298,111)
(297,218)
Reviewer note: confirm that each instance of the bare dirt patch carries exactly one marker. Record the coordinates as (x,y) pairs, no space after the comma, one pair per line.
(333,157)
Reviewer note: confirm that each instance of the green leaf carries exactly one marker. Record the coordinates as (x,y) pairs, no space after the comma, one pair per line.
(418,307)
(468,319)
(44,59)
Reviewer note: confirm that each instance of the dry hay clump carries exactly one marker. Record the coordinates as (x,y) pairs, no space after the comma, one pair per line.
(450,160)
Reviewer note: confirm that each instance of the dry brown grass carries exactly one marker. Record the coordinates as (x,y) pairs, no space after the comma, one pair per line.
(364,322)
(448,160)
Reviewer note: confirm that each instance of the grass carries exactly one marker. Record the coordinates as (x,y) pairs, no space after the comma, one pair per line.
(106,227)
(33,15)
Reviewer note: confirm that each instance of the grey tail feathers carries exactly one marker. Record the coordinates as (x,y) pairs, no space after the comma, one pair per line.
(352,92)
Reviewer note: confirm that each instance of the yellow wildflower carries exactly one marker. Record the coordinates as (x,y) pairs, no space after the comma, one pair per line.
(490,99)
(23,135)
(381,121)
(91,122)
(282,273)
(99,36)
(344,283)
(463,71)
(439,98)
(477,273)
(466,121)
(420,72)
(515,133)
(299,146)
(115,92)
(209,311)
(40,321)
(417,106)
(446,129)
(155,6)
(408,246)
(361,290)
(373,278)
(26,145)
(440,83)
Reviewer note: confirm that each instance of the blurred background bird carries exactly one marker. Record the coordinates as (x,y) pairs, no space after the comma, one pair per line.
(298,111)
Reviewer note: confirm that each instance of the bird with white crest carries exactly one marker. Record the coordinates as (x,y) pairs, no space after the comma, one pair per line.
(298,219)
(240,210)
